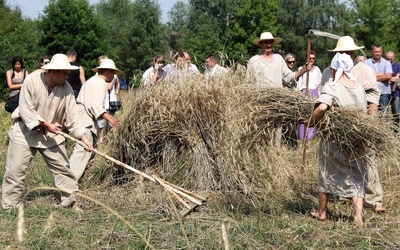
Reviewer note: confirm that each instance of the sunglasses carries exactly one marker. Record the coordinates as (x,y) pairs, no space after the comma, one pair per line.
(46,62)
(312,58)
(290,62)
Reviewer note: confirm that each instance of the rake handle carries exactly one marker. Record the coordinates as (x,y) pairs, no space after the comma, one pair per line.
(169,186)
(109,157)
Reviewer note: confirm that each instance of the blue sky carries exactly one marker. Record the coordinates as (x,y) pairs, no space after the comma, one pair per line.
(32,8)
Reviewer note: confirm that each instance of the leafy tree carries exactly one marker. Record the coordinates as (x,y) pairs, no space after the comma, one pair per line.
(149,35)
(377,22)
(202,37)
(72,24)
(206,26)
(135,32)
(250,19)
(118,15)
(178,23)
(298,17)
(18,36)
(227,26)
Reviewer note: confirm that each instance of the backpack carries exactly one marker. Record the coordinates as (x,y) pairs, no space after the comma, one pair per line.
(122,83)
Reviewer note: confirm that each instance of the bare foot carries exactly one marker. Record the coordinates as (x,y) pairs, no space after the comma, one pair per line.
(318,215)
(379,209)
(358,222)
(76,208)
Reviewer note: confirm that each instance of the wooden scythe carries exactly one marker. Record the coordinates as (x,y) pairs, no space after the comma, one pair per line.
(307,93)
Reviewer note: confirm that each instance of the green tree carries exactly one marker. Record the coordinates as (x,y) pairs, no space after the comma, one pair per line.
(377,22)
(18,36)
(202,27)
(135,32)
(202,36)
(298,17)
(177,25)
(72,24)
(118,14)
(250,19)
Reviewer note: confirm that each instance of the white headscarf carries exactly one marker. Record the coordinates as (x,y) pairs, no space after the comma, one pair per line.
(343,64)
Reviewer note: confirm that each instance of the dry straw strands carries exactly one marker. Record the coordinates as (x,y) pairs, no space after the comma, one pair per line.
(179,193)
(21,215)
(217,134)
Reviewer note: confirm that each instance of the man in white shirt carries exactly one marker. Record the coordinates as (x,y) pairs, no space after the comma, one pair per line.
(146,75)
(90,109)
(46,105)
(213,69)
(192,67)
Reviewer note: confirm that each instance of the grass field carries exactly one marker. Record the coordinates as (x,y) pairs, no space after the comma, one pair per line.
(223,222)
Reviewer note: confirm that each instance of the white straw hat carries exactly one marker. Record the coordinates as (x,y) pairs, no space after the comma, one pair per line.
(108,64)
(346,43)
(59,62)
(267,36)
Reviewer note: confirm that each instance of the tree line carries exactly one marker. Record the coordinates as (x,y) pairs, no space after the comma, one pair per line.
(131,31)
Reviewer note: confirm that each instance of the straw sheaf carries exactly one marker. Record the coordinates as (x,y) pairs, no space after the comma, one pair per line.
(217,135)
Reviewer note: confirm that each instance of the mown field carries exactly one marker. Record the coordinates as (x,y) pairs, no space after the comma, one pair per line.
(151,220)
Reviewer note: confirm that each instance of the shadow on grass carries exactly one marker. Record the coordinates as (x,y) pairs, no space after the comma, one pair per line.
(40,194)
(308,201)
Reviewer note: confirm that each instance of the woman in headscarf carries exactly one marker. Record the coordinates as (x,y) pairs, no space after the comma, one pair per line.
(339,173)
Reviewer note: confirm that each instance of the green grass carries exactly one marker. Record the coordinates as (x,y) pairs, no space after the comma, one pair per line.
(281,223)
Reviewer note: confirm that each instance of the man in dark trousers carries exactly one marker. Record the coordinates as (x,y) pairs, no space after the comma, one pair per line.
(391,56)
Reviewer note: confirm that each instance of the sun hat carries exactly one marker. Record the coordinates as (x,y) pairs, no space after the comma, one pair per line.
(346,43)
(59,62)
(267,36)
(108,64)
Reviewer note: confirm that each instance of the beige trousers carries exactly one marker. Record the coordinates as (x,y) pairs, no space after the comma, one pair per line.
(80,157)
(19,158)
(373,188)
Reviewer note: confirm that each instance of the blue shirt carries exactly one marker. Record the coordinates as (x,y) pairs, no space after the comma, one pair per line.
(381,66)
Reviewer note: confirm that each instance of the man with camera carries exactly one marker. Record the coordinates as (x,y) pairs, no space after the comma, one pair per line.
(91,108)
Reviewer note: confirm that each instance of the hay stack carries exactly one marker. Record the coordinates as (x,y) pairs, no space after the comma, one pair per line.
(216,135)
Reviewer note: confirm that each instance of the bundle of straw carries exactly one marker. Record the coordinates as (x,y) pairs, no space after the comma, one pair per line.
(216,135)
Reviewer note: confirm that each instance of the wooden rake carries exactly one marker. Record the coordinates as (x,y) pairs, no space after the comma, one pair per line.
(182,195)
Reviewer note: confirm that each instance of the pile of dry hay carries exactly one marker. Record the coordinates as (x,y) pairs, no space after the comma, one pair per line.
(217,135)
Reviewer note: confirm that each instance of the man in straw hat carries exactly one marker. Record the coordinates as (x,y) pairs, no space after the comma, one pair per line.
(367,78)
(269,69)
(91,108)
(47,103)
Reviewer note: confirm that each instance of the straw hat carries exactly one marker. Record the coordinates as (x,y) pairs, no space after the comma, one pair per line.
(108,64)
(267,36)
(59,62)
(346,43)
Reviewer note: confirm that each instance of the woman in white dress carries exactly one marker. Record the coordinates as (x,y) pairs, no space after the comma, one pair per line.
(339,173)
